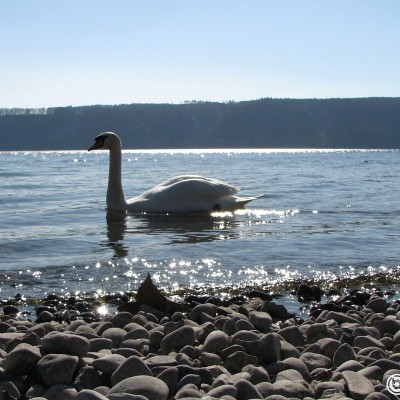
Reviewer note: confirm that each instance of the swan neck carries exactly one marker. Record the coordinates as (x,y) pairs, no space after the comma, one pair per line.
(115,193)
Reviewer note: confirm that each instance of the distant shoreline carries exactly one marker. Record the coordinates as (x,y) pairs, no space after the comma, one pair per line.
(358,123)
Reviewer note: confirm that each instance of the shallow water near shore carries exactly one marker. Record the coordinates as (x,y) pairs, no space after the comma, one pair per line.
(327,216)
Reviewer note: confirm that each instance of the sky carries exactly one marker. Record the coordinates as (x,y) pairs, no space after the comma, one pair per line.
(73,53)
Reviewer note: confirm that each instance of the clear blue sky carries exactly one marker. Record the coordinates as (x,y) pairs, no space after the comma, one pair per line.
(69,52)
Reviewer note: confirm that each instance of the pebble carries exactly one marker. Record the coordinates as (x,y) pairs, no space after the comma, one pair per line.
(247,349)
(57,369)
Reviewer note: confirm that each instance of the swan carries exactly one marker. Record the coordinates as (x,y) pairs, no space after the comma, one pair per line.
(184,193)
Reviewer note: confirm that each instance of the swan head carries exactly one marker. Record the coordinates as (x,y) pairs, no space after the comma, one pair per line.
(106,141)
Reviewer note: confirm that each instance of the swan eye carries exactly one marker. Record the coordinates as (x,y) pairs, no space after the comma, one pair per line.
(100,140)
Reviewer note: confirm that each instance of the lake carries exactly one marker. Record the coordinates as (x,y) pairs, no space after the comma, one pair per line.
(327,215)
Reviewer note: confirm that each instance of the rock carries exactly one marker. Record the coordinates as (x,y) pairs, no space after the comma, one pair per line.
(216,341)
(367,341)
(288,350)
(359,387)
(45,316)
(321,387)
(116,335)
(176,340)
(257,374)
(126,396)
(9,391)
(170,377)
(65,343)
(304,293)
(149,295)
(100,343)
(390,326)
(313,361)
(275,310)
(290,375)
(22,359)
(385,365)
(189,379)
(243,324)
(189,391)
(372,373)
(246,390)
(377,305)
(223,390)
(271,348)
(87,394)
(60,392)
(148,386)
(121,319)
(315,329)
(137,333)
(298,365)
(36,390)
(88,378)
(344,353)
(209,359)
(109,363)
(367,331)
(261,321)
(237,360)
(291,389)
(161,361)
(249,336)
(57,369)
(341,318)
(328,346)
(293,335)
(350,365)
(86,331)
(131,367)
(195,313)
(41,329)
(377,396)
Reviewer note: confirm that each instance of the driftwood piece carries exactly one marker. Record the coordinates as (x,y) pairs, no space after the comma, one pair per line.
(149,294)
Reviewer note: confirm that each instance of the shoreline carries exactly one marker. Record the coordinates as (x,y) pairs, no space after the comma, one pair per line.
(252,347)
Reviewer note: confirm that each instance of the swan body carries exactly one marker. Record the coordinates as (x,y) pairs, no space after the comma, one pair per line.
(184,193)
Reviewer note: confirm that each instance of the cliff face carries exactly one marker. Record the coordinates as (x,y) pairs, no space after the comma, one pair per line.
(264,123)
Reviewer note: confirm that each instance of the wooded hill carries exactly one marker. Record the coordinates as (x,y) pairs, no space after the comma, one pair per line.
(265,123)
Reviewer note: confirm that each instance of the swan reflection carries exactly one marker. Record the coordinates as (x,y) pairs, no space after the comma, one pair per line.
(124,230)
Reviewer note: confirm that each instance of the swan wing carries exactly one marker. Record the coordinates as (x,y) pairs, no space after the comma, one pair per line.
(198,185)
(185,193)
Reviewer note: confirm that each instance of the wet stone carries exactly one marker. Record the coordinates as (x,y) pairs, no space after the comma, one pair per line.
(22,360)
(65,343)
(57,369)
(132,366)
(148,386)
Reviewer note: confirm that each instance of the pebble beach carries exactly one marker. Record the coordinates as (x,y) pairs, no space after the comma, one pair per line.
(246,348)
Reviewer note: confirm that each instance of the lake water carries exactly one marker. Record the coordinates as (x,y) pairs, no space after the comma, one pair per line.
(327,215)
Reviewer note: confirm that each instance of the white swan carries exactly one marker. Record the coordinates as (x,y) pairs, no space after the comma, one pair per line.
(185,193)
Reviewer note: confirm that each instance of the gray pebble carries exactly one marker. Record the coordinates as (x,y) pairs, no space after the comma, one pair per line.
(131,367)
(22,360)
(358,386)
(109,363)
(65,343)
(176,340)
(116,335)
(57,369)
(148,386)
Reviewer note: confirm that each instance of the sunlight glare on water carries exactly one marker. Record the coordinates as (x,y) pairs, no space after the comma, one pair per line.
(327,214)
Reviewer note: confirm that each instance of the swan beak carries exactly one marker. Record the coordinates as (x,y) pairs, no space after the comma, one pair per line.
(96,145)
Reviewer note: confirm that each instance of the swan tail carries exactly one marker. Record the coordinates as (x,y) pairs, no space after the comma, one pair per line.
(234,202)
(242,201)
